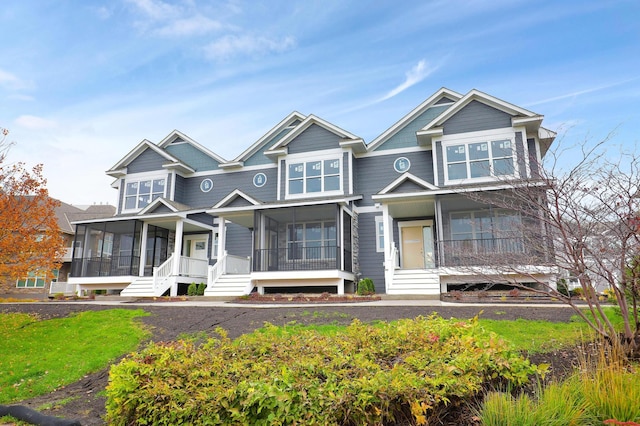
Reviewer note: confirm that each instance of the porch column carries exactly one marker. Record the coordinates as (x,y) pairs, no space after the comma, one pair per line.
(177,248)
(143,248)
(389,261)
(222,237)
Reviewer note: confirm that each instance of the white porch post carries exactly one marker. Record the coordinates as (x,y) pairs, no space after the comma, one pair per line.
(389,262)
(222,237)
(177,253)
(143,248)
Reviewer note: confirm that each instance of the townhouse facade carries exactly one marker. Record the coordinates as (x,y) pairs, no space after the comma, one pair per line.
(312,207)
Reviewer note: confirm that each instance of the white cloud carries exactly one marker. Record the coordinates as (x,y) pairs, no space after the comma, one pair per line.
(36,123)
(231,45)
(155,9)
(196,25)
(12,82)
(414,76)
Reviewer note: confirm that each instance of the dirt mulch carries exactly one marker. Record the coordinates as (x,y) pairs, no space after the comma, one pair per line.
(86,401)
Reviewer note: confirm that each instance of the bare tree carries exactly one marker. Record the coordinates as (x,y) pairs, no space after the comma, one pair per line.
(582,220)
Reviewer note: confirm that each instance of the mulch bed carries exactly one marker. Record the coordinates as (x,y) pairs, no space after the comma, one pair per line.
(169,322)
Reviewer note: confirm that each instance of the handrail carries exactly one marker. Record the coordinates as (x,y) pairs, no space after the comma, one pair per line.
(228,264)
(216,271)
(162,273)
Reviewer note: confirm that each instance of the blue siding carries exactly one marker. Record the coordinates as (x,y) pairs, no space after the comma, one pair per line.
(371,261)
(533,158)
(224,184)
(374,173)
(239,241)
(258,157)
(192,156)
(147,161)
(474,117)
(440,161)
(314,138)
(406,137)
(522,161)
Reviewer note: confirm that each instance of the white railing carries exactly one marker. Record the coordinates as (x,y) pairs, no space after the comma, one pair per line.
(162,273)
(228,264)
(62,287)
(192,267)
(391,264)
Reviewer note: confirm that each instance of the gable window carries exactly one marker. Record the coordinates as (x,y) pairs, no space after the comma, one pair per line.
(313,240)
(476,160)
(316,176)
(140,193)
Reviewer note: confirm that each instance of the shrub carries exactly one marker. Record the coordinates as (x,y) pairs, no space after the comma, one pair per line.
(576,292)
(363,374)
(201,288)
(192,290)
(563,287)
(514,293)
(366,287)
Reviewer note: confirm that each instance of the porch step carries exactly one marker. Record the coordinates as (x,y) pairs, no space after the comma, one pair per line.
(230,285)
(414,281)
(140,287)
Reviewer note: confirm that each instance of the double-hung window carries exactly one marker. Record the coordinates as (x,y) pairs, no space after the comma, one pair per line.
(317,176)
(140,193)
(477,160)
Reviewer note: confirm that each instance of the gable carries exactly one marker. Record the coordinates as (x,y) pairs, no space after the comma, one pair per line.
(406,137)
(314,138)
(476,116)
(258,157)
(147,161)
(238,202)
(445,100)
(408,186)
(191,156)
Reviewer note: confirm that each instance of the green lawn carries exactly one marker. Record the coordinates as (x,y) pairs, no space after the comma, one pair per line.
(39,356)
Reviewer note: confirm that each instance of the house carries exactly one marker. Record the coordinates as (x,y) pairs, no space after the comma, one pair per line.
(65,214)
(312,206)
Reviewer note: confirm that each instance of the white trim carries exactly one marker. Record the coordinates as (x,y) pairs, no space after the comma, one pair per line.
(253,180)
(139,177)
(232,195)
(307,157)
(409,224)
(379,220)
(407,177)
(367,209)
(398,160)
(350,177)
(393,152)
(167,140)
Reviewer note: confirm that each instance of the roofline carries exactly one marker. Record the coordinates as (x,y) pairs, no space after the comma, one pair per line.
(167,140)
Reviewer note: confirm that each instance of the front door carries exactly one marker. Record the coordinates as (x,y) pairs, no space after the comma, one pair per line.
(196,247)
(416,239)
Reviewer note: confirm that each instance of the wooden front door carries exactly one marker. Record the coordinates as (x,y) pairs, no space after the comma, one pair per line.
(416,245)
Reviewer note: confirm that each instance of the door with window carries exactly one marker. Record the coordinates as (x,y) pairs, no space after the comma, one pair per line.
(416,245)
(196,247)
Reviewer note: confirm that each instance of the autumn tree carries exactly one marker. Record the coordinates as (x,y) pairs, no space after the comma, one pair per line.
(580,216)
(30,239)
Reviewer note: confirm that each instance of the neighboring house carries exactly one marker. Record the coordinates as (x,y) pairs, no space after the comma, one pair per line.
(65,214)
(311,205)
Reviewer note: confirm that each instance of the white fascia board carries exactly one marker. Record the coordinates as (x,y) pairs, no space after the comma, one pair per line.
(455,190)
(306,123)
(301,203)
(358,146)
(231,165)
(155,203)
(179,167)
(236,193)
(429,102)
(137,151)
(176,133)
(119,173)
(407,177)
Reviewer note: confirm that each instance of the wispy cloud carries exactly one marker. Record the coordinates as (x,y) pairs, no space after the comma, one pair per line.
(580,92)
(414,76)
(35,123)
(12,82)
(155,9)
(195,25)
(232,45)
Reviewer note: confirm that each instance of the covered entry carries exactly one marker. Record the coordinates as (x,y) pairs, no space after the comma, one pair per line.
(416,244)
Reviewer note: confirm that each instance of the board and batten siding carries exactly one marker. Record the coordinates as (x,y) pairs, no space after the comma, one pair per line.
(314,138)
(147,161)
(475,117)
(376,172)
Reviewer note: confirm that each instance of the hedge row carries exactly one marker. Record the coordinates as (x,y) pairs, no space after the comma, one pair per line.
(363,374)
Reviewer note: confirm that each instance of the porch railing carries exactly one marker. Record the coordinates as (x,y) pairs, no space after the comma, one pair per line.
(229,264)
(192,267)
(299,258)
(162,274)
(114,266)
(489,251)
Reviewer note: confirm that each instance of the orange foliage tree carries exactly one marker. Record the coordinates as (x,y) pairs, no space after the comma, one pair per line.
(30,238)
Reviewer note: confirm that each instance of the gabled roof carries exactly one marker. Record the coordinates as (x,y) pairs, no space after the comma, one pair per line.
(433,100)
(281,146)
(176,134)
(171,205)
(520,116)
(265,139)
(119,169)
(407,177)
(232,196)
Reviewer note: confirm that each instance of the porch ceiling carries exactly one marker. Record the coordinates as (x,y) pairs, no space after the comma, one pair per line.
(412,208)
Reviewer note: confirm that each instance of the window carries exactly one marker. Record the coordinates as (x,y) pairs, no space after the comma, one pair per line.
(37,279)
(485,225)
(379,234)
(140,193)
(313,240)
(314,176)
(480,160)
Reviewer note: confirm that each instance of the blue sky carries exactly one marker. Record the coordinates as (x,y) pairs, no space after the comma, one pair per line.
(83,82)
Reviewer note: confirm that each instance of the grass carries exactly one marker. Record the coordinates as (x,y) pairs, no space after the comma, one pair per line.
(39,356)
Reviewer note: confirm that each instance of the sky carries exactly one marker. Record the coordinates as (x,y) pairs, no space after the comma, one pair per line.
(82,82)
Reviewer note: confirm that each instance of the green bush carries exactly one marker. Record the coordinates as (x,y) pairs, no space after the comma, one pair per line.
(562,287)
(201,289)
(363,374)
(192,290)
(366,287)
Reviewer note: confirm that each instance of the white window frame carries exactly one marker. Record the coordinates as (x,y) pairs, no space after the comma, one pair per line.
(138,178)
(467,139)
(379,221)
(37,277)
(324,224)
(305,158)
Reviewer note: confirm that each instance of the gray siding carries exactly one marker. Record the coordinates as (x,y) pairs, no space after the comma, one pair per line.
(533,158)
(440,160)
(283,177)
(522,161)
(315,138)
(239,241)
(205,218)
(346,175)
(224,184)
(371,261)
(192,156)
(474,117)
(258,157)
(444,100)
(406,137)
(374,173)
(148,161)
